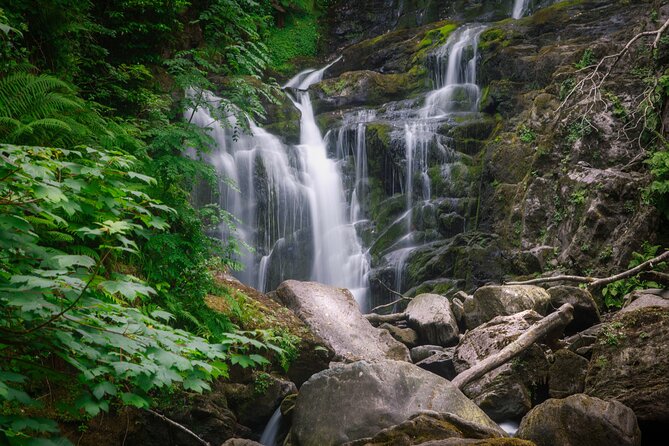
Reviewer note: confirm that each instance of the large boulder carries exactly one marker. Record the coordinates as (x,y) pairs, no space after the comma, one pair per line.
(430,426)
(333,315)
(586,313)
(431,316)
(566,375)
(505,392)
(630,363)
(580,420)
(360,399)
(491,301)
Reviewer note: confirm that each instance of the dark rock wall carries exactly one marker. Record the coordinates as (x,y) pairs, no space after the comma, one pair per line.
(527,185)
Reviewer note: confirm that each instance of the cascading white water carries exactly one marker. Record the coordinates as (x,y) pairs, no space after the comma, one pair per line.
(250,161)
(338,256)
(454,67)
(454,75)
(284,196)
(519,8)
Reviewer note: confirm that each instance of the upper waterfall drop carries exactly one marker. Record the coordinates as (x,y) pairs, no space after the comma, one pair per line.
(520,8)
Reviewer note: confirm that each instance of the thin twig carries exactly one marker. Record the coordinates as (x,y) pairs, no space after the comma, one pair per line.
(180,426)
(391,290)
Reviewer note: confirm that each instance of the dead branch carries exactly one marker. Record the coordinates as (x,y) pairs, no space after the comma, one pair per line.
(596,79)
(657,277)
(378,319)
(402,297)
(647,265)
(545,326)
(180,427)
(594,282)
(588,89)
(396,293)
(541,280)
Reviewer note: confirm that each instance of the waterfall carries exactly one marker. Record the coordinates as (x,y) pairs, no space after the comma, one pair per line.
(520,8)
(289,200)
(338,255)
(271,431)
(453,73)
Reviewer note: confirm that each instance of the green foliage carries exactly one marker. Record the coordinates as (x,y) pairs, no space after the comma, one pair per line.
(658,190)
(526,134)
(614,292)
(579,129)
(566,87)
(56,302)
(578,197)
(102,252)
(298,38)
(587,59)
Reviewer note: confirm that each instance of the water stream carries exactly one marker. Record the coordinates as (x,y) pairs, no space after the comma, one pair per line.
(520,8)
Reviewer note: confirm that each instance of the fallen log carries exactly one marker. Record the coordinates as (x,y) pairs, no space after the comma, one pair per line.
(545,326)
(378,319)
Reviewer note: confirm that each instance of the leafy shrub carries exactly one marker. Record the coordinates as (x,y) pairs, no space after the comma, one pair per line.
(614,292)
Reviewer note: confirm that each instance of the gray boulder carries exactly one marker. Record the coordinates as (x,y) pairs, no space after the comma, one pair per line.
(491,301)
(406,336)
(586,313)
(424,351)
(440,364)
(580,420)
(360,399)
(431,316)
(566,375)
(630,363)
(505,392)
(426,426)
(646,298)
(333,315)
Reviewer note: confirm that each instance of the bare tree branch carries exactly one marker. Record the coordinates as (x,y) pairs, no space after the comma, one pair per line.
(180,427)
(594,282)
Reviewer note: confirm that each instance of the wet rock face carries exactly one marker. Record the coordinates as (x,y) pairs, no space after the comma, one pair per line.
(431,316)
(586,313)
(506,392)
(566,375)
(333,315)
(491,301)
(580,420)
(358,400)
(630,362)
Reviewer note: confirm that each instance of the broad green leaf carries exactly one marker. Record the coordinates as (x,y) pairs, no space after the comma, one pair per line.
(145,178)
(129,290)
(162,315)
(196,385)
(132,399)
(51,194)
(104,388)
(67,261)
